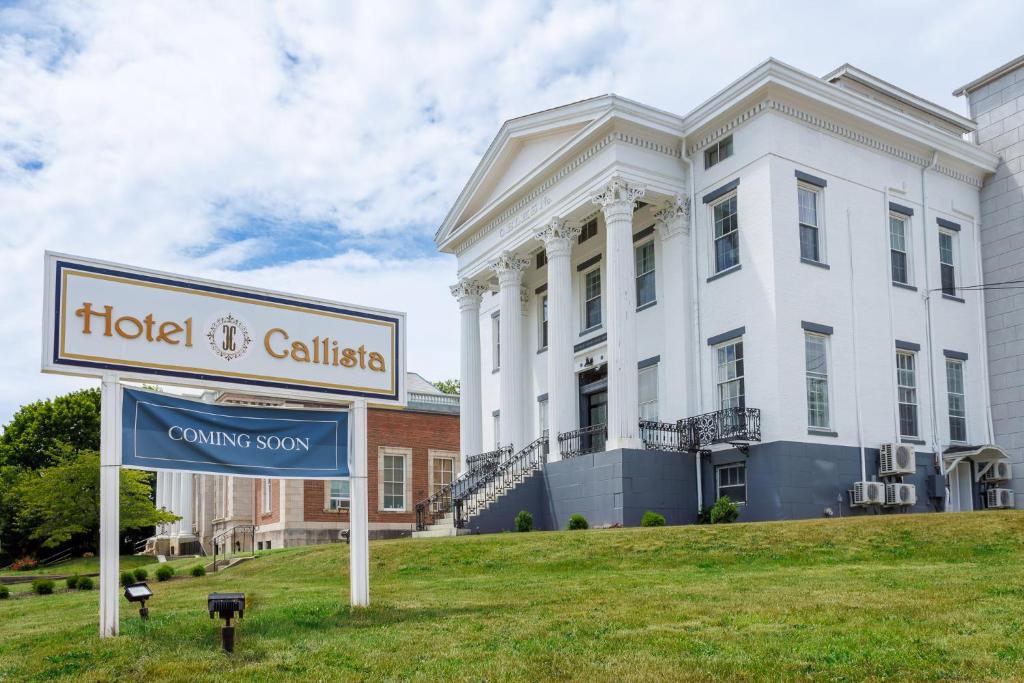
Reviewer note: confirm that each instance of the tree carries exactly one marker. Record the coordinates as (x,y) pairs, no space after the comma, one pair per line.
(448,386)
(61,503)
(42,433)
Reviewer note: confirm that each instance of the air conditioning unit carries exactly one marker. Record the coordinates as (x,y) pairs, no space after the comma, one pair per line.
(999,498)
(897,458)
(868,493)
(898,495)
(1000,471)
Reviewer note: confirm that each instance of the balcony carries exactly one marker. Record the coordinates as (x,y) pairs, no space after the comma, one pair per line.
(584,440)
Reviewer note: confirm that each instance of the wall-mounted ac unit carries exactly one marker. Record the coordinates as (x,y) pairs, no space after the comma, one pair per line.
(1000,471)
(868,493)
(897,458)
(999,498)
(898,495)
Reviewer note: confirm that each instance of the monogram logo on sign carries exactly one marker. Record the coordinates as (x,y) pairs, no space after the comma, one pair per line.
(229,337)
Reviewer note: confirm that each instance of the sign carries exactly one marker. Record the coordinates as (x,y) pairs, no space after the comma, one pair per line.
(140,324)
(161,432)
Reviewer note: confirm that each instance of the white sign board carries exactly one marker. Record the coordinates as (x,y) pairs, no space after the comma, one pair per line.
(101,318)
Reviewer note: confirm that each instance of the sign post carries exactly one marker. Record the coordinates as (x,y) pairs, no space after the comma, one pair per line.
(359,524)
(110,508)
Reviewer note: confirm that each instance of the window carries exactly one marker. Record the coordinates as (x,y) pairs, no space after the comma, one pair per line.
(542,258)
(442,473)
(645,293)
(592,299)
(542,320)
(719,151)
(497,431)
(946,263)
(267,496)
(392,482)
(906,382)
(810,237)
(732,481)
(542,416)
(730,375)
(648,392)
(816,350)
(957,404)
(588,230)
(899,249)
(338,494)
(727,236)
(495,342)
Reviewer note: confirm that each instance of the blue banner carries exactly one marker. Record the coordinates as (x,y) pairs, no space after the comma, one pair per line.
(161,432)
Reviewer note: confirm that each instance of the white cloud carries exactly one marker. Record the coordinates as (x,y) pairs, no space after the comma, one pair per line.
(153,133)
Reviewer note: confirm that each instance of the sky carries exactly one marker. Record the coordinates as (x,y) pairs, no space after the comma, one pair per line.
(315,147)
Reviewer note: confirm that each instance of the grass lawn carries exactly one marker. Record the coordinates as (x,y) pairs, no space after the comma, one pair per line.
(80,565)
(908,597)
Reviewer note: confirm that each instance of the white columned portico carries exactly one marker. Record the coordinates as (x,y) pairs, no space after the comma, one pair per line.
(468,294)
(673,220)
(174,495)
(558,237)
(186,504)
(161,493)
(510,267)
(617,200)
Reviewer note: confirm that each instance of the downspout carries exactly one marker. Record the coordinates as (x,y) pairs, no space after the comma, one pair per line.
(892,324)
(983,335)
(928,300)
(853,339)
(696,391)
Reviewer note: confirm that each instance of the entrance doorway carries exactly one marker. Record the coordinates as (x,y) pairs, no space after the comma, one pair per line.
(594,405)
(961,487)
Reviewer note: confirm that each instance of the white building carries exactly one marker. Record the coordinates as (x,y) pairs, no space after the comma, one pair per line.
(786,261)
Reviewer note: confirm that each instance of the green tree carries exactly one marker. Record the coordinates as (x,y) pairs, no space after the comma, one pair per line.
(448,386)
(61,503)
(42,433)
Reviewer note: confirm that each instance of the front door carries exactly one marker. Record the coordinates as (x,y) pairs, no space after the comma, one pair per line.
(961,495)
(597,414)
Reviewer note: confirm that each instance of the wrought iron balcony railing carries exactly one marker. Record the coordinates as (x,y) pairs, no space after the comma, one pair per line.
(728,425)
(664,436)
(583,440)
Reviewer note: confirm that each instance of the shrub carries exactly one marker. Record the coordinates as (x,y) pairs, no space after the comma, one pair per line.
(5,592)
(127,579)
(141,574)
(704,515)
(88,555)
(24,564)
(42,587)
(578,521)
(164,572)
(85,583)
(198,570)
(724,511)
(652,519)
(524,521)
(72,582)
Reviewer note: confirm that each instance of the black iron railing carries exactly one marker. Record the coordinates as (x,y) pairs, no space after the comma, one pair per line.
(469,496)
(584,440)
(238,539)
(722,426)
(438,505)
(664,436)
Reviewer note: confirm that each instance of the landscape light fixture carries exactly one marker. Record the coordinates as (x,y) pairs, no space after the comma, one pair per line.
(226,605)
(139,592)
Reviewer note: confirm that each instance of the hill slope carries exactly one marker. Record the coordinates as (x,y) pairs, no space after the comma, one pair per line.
(901,597)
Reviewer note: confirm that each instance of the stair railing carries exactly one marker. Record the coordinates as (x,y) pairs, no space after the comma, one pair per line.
(439,504)
(468,500)
(237,536)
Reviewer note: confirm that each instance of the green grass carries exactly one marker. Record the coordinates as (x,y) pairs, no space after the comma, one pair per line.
(909,597)
(81,565)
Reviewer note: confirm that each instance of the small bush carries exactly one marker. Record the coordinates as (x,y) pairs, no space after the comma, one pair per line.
(42,587)
(5,592)
(140,574)
(88,555)
(704,515)
(72,582)
(578,521)
(198,570)
(127,579)
(652,519)
(164,572)
(23,564)
(524,521)
(724,511)
(85,583)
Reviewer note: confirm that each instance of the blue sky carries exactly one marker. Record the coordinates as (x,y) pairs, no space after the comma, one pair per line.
(314,147)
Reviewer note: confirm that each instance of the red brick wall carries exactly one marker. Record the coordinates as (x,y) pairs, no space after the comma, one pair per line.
(404,429)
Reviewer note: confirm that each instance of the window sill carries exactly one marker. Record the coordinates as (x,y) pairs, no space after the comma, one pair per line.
(399,512)
(950,297)
(541,350)
(822,432)
(912,288)
(495,371)
(587,331)
(723,273)
(916,442)
(817,264)
(645,306)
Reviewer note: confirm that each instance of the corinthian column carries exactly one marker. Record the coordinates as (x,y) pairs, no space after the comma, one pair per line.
(558,237)
(673,221)
(509,268)
(617,200)
(468,293)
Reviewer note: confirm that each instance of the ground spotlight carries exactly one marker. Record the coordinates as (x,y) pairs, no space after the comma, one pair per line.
(226,605)
(139,592)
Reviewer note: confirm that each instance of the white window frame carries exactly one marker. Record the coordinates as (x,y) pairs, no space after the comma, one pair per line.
(740,466)
(819,224)
(543,417)
(543,327)
(600,297)
(963,398)
(589,229)
(495,343)
(267,503)
(826,376)
(955,260)
(497,431)
(716,148)
(916,403)
(652,272)
(394,452)
(435,455)
(731,196)
(908,248)
(741,377)
(343,501)
(651,405)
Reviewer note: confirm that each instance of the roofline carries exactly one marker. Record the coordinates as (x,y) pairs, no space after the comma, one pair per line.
(998,72)
(962,122)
